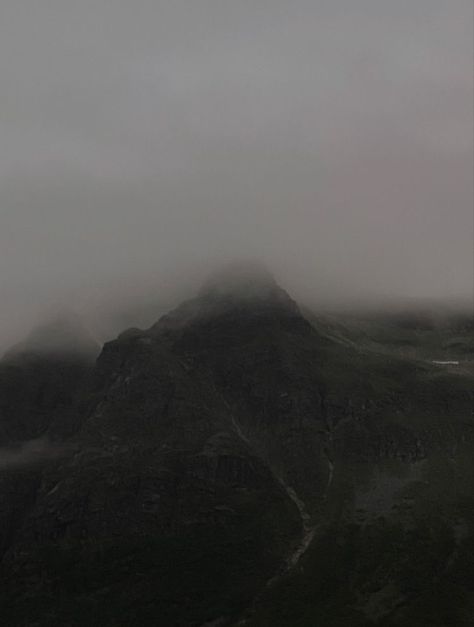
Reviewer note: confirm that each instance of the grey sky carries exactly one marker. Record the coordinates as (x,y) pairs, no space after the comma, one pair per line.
(332,138)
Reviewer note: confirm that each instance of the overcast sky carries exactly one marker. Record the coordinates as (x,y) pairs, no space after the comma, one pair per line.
(331,138)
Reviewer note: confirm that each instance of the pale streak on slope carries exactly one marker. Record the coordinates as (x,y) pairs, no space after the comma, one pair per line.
(309,530)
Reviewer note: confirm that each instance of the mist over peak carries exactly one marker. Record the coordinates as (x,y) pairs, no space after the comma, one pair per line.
(335,143)
(247,279)
(66,334)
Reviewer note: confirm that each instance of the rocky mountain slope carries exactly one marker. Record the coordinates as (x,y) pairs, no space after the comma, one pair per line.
(40,377)
(242,464)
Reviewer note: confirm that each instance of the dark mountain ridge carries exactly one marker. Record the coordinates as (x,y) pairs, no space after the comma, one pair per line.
(238,463)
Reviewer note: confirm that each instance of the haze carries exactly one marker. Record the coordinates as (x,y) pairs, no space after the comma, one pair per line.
(144,141)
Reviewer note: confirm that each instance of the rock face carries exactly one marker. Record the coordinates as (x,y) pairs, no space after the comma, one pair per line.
(41,382)
(40,378)
(237,464)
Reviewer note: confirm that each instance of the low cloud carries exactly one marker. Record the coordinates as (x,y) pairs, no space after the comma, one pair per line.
(140,141)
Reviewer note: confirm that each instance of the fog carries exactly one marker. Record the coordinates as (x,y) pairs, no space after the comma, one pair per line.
(144,142)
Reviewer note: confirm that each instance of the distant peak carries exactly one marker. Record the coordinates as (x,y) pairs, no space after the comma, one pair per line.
(64,335)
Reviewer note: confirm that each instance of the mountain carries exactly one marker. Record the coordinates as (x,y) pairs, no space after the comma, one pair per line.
(40,376)
(240,463)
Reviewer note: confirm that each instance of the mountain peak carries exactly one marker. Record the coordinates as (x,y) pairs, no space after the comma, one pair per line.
(64,335)
(238,289)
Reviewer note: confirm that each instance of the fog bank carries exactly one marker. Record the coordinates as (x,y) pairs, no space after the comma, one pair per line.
(145,143)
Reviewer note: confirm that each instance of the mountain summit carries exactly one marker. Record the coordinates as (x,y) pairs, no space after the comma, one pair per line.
(240,292)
